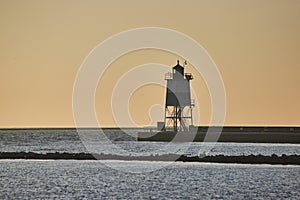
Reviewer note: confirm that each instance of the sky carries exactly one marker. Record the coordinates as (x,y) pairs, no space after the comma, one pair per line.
(255,44)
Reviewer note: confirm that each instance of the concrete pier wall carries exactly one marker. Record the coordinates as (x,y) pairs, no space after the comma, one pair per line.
(229,134)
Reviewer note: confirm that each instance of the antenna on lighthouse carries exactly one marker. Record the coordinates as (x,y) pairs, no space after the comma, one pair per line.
(185,63)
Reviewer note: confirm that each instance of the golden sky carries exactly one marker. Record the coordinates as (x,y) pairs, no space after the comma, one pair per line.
(255,44)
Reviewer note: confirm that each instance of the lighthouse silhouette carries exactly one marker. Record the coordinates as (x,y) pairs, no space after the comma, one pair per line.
(178,104)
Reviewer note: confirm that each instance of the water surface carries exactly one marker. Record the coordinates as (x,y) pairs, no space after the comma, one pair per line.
(57,140)
(23,179)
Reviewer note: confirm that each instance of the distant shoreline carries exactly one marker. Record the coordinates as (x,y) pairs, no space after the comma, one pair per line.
(250,159)
(237,128)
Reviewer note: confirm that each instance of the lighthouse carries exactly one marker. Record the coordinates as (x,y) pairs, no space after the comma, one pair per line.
(178,103)
(178,121)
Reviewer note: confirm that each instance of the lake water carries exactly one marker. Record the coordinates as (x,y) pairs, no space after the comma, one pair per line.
(66,179)
(63,179)
(43,141)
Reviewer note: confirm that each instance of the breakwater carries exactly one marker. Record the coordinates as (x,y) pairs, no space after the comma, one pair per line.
(247,134)
(250,159)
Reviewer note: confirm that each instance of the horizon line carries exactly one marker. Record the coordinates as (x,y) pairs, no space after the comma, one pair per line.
(137,127)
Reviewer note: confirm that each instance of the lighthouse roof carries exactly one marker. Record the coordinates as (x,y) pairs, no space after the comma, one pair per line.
(179,68)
